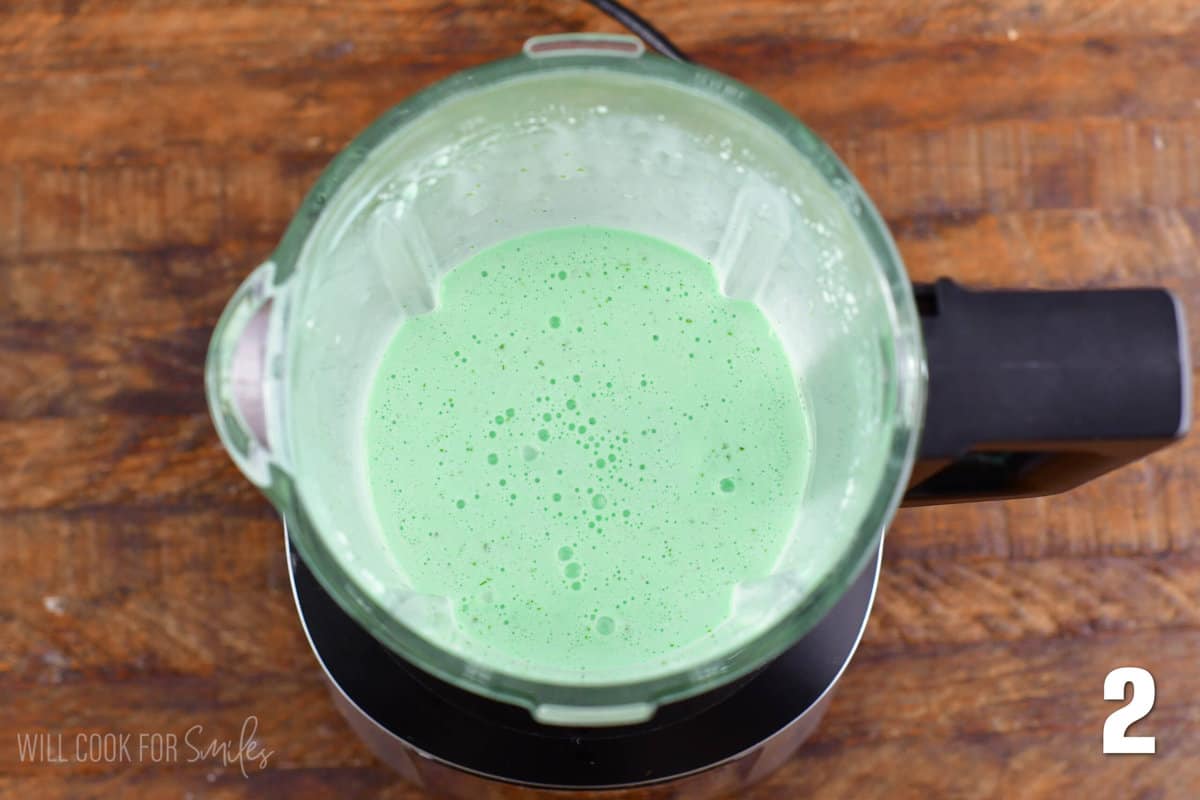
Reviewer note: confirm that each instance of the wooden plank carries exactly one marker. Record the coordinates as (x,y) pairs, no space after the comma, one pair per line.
(220,783)
(174,287)
(74,370)
(162,37)
(840,88)
(196,201)
(1022,165)
(1055,249)
(79,463)
(924,605)
(1001,688)
(129,594)
(1062,766)
(93,552)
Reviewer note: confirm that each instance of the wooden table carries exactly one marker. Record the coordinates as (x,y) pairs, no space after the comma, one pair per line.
(152,152)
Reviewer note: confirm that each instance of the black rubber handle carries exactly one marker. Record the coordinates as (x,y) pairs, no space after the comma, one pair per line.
(1036,392)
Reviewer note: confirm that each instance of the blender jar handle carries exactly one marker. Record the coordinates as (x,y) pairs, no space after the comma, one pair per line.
(1036,392)
(239,375)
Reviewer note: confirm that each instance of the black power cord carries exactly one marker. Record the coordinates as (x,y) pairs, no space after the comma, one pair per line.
(634,22)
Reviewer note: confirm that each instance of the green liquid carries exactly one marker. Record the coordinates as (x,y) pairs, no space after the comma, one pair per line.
(585,447)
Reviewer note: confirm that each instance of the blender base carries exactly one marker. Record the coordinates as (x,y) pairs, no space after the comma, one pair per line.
(453,743)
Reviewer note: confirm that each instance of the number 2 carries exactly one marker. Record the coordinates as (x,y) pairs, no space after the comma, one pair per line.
(1141,701)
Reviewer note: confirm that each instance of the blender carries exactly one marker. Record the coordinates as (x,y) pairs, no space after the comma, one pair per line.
(923,394)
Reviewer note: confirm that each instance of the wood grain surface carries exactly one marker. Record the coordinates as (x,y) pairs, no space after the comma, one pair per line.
(151,152)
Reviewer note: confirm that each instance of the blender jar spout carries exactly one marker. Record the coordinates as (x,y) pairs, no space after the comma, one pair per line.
(241,373)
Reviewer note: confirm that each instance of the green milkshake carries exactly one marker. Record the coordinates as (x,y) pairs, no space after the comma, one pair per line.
(586,446)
